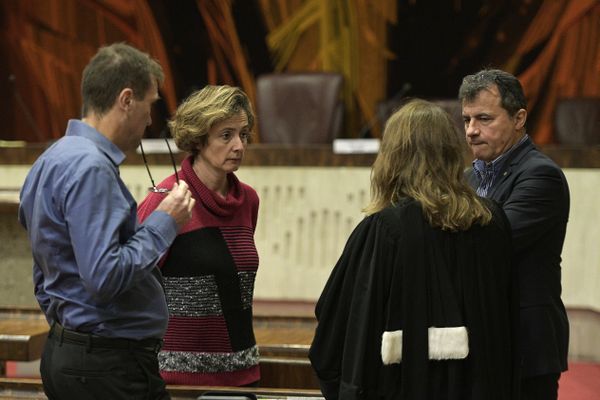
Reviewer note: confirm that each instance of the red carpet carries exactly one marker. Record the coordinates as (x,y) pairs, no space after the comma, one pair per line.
(580,382)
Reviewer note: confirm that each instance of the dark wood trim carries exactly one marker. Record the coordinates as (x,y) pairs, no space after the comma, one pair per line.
(21,388)
(23,333)
(306,156)
(584,310)
(21,312)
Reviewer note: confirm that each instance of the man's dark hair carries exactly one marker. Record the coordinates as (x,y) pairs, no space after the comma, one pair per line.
(511,91)
(113,69)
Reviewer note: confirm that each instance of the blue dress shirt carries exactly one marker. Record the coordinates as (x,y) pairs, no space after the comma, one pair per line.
(92,262)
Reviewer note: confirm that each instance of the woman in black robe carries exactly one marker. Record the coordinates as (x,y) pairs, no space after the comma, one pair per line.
(421,304)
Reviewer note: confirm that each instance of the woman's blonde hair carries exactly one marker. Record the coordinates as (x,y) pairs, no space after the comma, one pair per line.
(202,109)
(421,157)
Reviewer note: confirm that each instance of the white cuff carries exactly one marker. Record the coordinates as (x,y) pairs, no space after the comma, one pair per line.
(444,344)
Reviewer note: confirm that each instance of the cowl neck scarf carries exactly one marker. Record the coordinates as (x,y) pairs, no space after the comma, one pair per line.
(210,199)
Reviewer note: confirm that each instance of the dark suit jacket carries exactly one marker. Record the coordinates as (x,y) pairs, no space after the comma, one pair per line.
(534,194)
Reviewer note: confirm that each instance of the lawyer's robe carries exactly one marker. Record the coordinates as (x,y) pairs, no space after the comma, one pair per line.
(398,274)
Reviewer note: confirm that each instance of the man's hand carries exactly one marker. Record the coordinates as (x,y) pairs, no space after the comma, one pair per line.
(178,203)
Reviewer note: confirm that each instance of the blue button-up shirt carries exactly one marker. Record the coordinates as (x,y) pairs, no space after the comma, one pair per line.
(93,264)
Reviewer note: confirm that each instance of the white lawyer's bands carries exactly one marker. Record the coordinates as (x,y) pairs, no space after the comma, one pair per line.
(444,344)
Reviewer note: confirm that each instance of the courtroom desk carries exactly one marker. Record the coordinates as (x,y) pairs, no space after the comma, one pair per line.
(31,388)
(284,328)
(23,333)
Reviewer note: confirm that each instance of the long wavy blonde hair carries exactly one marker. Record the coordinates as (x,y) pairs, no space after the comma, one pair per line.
(421,157)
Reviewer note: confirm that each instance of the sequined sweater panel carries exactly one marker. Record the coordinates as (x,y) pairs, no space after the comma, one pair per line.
(209,275)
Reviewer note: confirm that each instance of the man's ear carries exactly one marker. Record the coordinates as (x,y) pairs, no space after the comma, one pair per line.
(125,99)
(520,119)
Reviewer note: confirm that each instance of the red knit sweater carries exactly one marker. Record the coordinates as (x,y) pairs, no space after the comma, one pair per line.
(209,274)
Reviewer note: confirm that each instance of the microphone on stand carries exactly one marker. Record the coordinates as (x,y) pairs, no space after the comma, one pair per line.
(12,79)
(364,131)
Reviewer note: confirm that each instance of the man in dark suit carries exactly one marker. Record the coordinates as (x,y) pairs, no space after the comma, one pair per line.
(533,192)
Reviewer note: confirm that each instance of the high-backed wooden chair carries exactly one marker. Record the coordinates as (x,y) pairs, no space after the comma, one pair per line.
(577,121)
(299,108)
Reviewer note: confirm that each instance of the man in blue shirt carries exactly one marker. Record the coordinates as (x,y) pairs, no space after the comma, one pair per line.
(94,266)
(534,194)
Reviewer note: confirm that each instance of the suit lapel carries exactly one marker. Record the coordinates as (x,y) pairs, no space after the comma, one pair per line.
(514,158)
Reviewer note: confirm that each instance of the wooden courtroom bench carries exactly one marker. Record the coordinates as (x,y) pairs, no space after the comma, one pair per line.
(31,388)
(23,333)
(21,388)
(283,330)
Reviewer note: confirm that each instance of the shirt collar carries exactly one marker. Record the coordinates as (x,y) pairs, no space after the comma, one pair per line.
(482,167)
(79,128)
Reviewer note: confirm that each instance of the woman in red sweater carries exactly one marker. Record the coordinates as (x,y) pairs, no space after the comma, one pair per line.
(210,269)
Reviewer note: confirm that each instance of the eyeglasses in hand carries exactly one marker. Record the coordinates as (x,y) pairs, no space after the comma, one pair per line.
(153,188)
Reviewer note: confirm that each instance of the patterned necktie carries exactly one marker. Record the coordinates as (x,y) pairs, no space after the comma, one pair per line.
(487,178)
